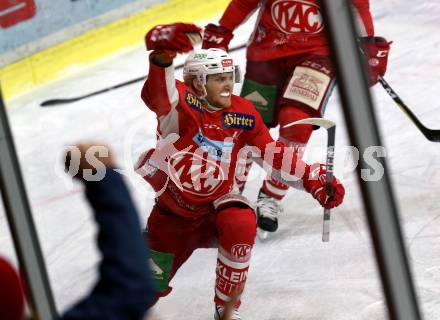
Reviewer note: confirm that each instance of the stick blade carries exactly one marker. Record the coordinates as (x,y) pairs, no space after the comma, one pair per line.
(314,121)
(56,102)
(432,135)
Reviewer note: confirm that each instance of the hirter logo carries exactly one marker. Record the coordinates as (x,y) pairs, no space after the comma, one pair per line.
(295,16)
(193,173)
(227,63)
(238,120)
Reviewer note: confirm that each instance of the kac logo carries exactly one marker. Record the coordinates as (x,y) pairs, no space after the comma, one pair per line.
(241,251)
(195,174)
(296,16)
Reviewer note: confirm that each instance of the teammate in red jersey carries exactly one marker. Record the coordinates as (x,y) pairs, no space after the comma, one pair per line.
(289,74)
(203,131)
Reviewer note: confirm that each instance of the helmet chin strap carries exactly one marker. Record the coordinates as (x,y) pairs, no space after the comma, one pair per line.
(201,83)
(210,107)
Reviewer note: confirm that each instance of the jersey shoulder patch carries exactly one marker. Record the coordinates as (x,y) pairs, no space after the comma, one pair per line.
(188,97)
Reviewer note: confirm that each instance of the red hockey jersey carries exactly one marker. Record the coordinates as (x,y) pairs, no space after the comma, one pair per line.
(198,163)
(288,27)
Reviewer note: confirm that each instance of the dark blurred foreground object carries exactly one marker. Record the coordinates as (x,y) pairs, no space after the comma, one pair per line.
(124,289)
(11,292)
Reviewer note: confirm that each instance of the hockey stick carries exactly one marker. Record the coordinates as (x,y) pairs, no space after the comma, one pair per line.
(56,102)
(330,126)
(430,134)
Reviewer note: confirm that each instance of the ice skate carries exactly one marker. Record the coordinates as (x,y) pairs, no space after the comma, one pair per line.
(268,210)
(220,310)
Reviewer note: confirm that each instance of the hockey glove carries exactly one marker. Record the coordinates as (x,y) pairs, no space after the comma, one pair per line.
(216,36)
(314,182)
(376,50)
(176,37)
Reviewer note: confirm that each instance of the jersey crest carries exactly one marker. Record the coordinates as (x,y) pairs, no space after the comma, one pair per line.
(193,173)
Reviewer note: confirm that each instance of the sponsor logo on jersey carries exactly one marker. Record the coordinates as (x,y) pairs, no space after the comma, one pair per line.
(193,173)
(211,126)
(296,16)
(194,102)
(149,169)
(219,150)
(241,251)
(238,120)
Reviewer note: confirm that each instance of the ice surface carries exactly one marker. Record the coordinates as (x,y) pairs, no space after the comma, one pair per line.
(293,275)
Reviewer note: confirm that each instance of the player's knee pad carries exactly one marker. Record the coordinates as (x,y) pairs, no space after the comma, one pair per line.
(236,224)
(232,199)
(310,86)
(297,134)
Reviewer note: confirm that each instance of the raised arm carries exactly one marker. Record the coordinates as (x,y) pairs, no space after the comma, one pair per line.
(237,12)
(363,17)
(159,91)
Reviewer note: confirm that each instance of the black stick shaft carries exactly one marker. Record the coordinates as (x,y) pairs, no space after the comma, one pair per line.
(60,101)
(430,134)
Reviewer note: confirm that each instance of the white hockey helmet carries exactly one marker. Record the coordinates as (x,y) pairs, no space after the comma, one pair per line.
(203,62)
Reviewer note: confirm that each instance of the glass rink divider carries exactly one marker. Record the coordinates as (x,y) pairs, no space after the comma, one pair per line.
(378,197)
(22,227)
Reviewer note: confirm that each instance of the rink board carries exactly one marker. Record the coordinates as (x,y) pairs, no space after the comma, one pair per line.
(52,63)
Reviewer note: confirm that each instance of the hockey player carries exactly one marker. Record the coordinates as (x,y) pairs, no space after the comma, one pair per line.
(202,129)
(288,74)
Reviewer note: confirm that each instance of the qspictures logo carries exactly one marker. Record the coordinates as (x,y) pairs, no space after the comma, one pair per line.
(13,12)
